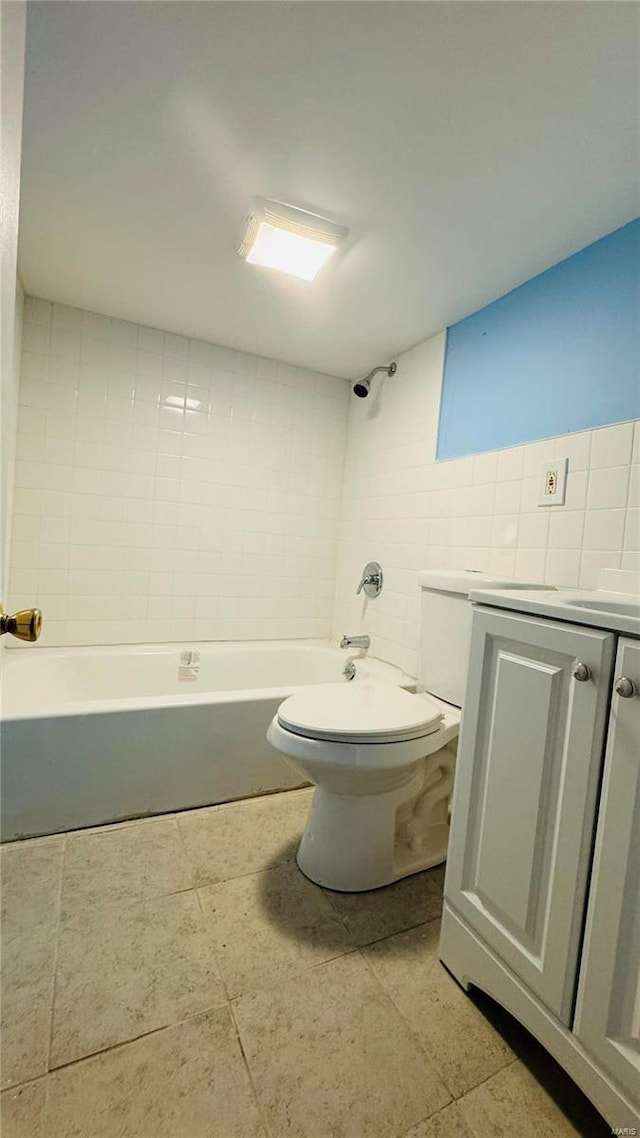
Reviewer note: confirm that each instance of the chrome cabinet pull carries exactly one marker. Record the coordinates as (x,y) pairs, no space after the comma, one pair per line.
(581,672)
(625,687)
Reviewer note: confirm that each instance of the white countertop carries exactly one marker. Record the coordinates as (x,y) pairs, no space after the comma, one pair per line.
(616,612)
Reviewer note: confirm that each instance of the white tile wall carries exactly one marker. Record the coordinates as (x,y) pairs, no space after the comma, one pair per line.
(9,387)
(169,489)
(406,511)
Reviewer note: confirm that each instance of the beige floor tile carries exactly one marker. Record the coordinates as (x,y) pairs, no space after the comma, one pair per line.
(383,912)
(30,875)
(464,1046)
(28,961)
(244,837)
(130,863)
(125,970)
(268,925)
(447,1123)
(187,1081)
(514,1102)
(330,1056)
(22,1111)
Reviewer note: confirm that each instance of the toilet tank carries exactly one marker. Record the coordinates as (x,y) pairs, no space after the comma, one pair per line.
(445,627)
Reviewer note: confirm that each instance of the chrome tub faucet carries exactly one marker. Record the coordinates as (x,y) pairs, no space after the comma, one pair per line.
(363,642)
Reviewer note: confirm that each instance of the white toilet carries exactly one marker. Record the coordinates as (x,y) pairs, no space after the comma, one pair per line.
(382,759)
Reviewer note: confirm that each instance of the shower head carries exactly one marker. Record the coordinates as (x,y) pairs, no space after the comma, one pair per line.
(362,386)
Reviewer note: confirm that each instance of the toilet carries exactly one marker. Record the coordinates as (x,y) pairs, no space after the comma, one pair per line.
(382,759)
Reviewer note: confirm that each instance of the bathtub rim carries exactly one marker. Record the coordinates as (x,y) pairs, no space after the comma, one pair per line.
(375,668)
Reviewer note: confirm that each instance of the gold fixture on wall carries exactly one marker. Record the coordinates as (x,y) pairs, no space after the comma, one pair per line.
(26,624)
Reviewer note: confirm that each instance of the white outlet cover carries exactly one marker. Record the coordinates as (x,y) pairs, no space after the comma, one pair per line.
(552,487)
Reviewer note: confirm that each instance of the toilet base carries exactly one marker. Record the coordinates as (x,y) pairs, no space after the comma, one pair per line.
(353,843)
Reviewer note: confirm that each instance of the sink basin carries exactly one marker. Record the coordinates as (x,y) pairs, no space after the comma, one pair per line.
(616,607)
(625,608)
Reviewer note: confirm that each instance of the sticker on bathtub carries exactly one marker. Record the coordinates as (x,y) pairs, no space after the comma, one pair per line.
(189,666)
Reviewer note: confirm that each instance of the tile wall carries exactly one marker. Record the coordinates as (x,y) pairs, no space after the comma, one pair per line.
(409,513)
(10,381)
(168,489)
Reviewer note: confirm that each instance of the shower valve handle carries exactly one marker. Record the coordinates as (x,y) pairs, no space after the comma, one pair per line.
(371,580)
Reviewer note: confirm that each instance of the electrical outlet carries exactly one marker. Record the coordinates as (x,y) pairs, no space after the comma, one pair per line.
(553,482)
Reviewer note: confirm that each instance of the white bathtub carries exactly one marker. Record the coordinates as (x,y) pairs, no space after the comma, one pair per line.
(96,735)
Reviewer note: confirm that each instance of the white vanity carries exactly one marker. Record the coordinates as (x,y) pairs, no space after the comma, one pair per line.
(542,891)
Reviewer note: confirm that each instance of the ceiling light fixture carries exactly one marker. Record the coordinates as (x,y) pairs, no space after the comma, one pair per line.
(291,240)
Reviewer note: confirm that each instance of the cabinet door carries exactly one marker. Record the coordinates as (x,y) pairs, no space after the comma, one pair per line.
(525,795)
(608,1009)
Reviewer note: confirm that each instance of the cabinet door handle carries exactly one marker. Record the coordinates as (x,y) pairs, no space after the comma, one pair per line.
(625,687)
(581,672)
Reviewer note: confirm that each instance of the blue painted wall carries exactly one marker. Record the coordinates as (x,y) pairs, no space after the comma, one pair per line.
(560,353)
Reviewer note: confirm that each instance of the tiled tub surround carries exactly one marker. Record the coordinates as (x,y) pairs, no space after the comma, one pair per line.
(410,513)
(95,735)
(180,978)
(167,489)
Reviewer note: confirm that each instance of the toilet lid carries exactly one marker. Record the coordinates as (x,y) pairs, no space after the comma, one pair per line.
(359,712)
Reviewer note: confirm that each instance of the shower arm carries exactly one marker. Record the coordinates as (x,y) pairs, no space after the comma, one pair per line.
(389,368)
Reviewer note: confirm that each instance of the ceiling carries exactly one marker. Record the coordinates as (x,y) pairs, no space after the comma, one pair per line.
(466,146)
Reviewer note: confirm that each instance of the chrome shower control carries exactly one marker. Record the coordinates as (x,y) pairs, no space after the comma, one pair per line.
(371,580)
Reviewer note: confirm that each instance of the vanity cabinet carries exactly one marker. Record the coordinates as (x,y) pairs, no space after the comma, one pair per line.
(608,1010)
(526,787)
(542,890)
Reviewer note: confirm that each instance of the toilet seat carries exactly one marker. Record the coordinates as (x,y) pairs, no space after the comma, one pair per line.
(363,712)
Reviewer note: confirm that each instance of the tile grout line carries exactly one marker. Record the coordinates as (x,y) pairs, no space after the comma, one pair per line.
(399,932)
(203,916)
(214,954)
(254,1091)
(473,1133)
(242,876)
(225,1003)
(162,1027)
(293,974)
(418,1042)
(187,860)
(454,1098)
(56,953)
(126,1042)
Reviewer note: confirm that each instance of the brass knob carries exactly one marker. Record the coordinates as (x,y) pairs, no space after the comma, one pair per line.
(26,624)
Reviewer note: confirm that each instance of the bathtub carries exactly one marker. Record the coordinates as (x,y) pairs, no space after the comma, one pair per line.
(96,735)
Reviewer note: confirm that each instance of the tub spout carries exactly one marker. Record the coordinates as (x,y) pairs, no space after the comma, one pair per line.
(363,642)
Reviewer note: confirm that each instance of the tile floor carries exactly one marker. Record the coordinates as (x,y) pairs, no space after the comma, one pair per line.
(178,977)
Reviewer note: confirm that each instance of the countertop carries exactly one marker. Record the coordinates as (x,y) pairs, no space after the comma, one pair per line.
(616,612)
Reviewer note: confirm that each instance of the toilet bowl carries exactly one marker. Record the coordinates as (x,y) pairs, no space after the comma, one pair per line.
(383,759)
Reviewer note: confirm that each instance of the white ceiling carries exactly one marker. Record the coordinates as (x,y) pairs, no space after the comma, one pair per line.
(467,146)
